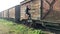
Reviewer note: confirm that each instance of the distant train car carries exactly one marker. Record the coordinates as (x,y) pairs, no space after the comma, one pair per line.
(5,13)
(14,13)
(1,15)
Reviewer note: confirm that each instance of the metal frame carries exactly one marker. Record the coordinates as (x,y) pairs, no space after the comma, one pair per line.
(41,9)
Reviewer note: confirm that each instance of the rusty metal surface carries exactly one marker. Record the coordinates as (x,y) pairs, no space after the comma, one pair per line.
(51,10)
(35,10)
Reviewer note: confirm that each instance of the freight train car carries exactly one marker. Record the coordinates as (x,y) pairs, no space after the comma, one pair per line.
(5,14)
(34,9)
(51,12)
(47,12)
(14,13)
(1,14)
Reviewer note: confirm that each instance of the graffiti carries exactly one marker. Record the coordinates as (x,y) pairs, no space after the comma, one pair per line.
(50,8)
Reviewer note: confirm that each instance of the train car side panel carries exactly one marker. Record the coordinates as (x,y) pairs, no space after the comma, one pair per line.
(51,10)
(5,14)
(34,9)
(12,13)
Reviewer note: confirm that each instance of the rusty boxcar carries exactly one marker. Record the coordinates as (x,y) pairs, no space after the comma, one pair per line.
(1,15)
(45,11)
(14,13)
(35,10)
(5,13)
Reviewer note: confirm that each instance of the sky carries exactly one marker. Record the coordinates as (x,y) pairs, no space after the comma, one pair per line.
(5,4)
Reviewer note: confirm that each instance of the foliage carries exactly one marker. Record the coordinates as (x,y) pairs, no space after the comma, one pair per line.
(19,28)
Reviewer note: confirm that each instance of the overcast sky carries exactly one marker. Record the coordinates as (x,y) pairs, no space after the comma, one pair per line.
(5,4)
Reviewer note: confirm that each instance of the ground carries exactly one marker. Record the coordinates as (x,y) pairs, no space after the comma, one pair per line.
(3,29)
(9,27)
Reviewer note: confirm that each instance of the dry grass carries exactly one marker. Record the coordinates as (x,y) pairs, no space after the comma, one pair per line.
(9,27)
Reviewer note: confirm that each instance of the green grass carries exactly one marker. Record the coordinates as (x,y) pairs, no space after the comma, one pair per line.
(18,28)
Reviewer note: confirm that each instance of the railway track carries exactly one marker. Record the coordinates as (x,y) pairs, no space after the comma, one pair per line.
(50,29)
(54,30)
